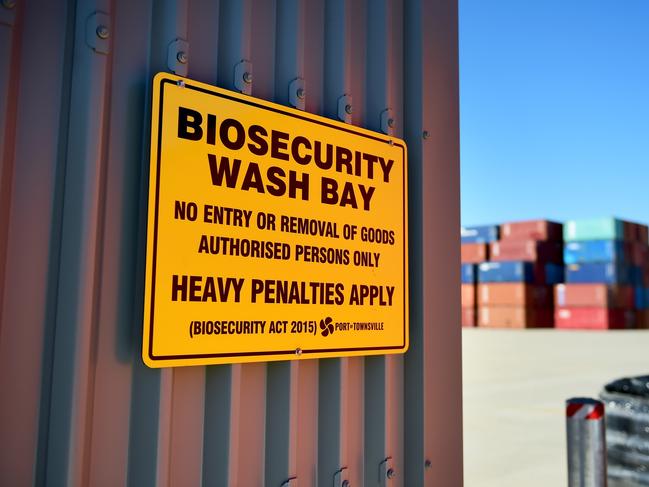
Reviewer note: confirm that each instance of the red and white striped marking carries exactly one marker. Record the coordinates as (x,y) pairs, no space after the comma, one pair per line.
(585,411)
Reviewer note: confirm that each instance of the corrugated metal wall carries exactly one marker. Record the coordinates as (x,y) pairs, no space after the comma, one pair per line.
(77,406)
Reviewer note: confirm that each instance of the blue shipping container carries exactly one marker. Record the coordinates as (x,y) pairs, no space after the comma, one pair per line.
(554,274)
(640,295)
(636,275)
(481,234)
(468,274)
(598,272)
(593,251)
(513,271)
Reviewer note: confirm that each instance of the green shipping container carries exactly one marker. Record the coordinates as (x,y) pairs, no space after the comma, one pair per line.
(594,229)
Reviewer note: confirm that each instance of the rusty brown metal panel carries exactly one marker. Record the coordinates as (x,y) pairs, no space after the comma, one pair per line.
(216,435)
(352,421)
(78,290)
(203,37)
(304,423)
(180,435)
(292,393)
(333,387)
(441,212)
(10,30)
(31,155)
(83,409)
(314,12)
(246,464)
(247,424)
(263,23)
(186,436)
(433,364)
(116,345)
(383,86)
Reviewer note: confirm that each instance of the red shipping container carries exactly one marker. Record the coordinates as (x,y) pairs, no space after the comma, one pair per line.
(630,231)
(635,232)
(530,250)
(468,317)
(468,295)
(532,230)
(594,296)
(514,294)
(642,319)
(594,318)
(634,252)
(514,317)
(638,253)
(642,235)
(474,253)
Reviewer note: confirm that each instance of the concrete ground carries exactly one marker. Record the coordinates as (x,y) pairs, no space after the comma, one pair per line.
(515,385)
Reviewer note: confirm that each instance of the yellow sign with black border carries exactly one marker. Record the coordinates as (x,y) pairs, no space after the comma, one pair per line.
(272,234)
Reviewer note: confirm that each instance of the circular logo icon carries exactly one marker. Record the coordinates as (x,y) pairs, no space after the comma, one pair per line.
(326,326)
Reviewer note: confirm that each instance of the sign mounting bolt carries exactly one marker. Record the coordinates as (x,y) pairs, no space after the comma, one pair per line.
(102,31)
(298,351)
(428,464)
(390,473)
(349,109)
(8,4)
(425,134)
(182,57)
(391,122)
(345,483)
(301,93)
(247,77)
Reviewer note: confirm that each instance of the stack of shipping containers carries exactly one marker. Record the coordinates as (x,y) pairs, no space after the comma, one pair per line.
(509,271)
(514,290)
(606,262)
(475,250)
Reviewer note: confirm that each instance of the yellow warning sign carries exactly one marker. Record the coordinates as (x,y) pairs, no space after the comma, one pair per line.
(273,234)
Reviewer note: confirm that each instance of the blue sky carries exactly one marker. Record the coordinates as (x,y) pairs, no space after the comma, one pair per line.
(554,109)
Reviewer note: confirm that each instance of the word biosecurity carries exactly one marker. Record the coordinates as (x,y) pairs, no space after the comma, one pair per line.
(260,141)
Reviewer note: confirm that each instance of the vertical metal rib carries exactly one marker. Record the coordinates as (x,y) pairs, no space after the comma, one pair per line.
(383,375)
(280,401)
(247,382)
(78,286)
(433,364)
(340,408)
(35,114)
(117,347)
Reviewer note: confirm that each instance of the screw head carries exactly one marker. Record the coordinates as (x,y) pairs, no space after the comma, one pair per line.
(428,464)
(349,109)
(390,473)
(425,134)
(298,351)
(247,77)
(102,32)
(181,57)
(345,483)
(301,93)
(391,122)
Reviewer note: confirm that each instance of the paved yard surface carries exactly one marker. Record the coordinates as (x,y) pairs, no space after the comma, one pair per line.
(515,384)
